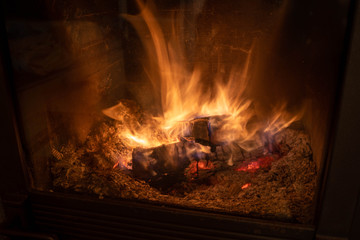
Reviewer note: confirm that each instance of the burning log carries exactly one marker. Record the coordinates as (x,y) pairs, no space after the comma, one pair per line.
(187,161)
(191,159)
(165,165)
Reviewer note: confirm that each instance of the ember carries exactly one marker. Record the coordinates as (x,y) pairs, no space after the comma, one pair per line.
(201,165)
(262,162)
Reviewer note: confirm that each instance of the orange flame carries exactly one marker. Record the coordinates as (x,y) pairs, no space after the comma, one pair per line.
(282,119)
(182,97)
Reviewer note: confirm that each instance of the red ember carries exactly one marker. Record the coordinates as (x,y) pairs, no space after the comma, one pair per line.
(201,165)
(261,162)
(116,164)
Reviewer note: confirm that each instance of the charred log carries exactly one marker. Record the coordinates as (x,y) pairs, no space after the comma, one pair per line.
(165,165)
(186,163)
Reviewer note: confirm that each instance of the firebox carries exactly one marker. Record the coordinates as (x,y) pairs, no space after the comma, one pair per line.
(180,119)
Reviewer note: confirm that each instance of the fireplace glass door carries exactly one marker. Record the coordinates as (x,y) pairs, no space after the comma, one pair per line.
(218,106)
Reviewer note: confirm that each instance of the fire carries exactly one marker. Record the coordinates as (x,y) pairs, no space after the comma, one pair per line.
(246,185)
(183,98)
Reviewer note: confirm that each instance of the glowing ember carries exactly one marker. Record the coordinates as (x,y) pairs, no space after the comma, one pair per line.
(262,162)
(200,165)
(116,164)
(246,185)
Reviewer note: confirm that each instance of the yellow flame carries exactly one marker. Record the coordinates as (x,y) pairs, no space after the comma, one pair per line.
(183,98)
(282,119)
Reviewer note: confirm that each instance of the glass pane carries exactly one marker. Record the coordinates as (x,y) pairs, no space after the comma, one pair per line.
(220,106)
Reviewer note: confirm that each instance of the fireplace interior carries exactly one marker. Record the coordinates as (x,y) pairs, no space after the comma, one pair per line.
(175,119)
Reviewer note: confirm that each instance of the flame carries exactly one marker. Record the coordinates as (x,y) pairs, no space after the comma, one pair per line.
(282,119)
(183,97)
(246,185)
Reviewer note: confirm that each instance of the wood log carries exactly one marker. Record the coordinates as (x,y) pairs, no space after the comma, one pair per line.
(165,165)
(186,161)
(190,160)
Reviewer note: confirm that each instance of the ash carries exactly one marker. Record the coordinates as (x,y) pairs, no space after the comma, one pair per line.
(282,189)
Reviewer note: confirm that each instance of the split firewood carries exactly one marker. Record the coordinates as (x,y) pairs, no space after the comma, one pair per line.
(187,160)
(198,156)
(165,165)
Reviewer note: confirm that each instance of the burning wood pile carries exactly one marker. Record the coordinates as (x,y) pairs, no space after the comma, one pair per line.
(197,157)
(276,180)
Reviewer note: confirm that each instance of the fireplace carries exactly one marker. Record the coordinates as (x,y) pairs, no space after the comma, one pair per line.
(181,119)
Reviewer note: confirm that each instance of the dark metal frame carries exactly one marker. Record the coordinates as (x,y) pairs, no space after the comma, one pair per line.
(76,216)
(339,204)
(110,218)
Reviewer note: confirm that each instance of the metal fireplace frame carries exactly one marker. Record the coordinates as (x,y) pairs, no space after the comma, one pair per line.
(37,215)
